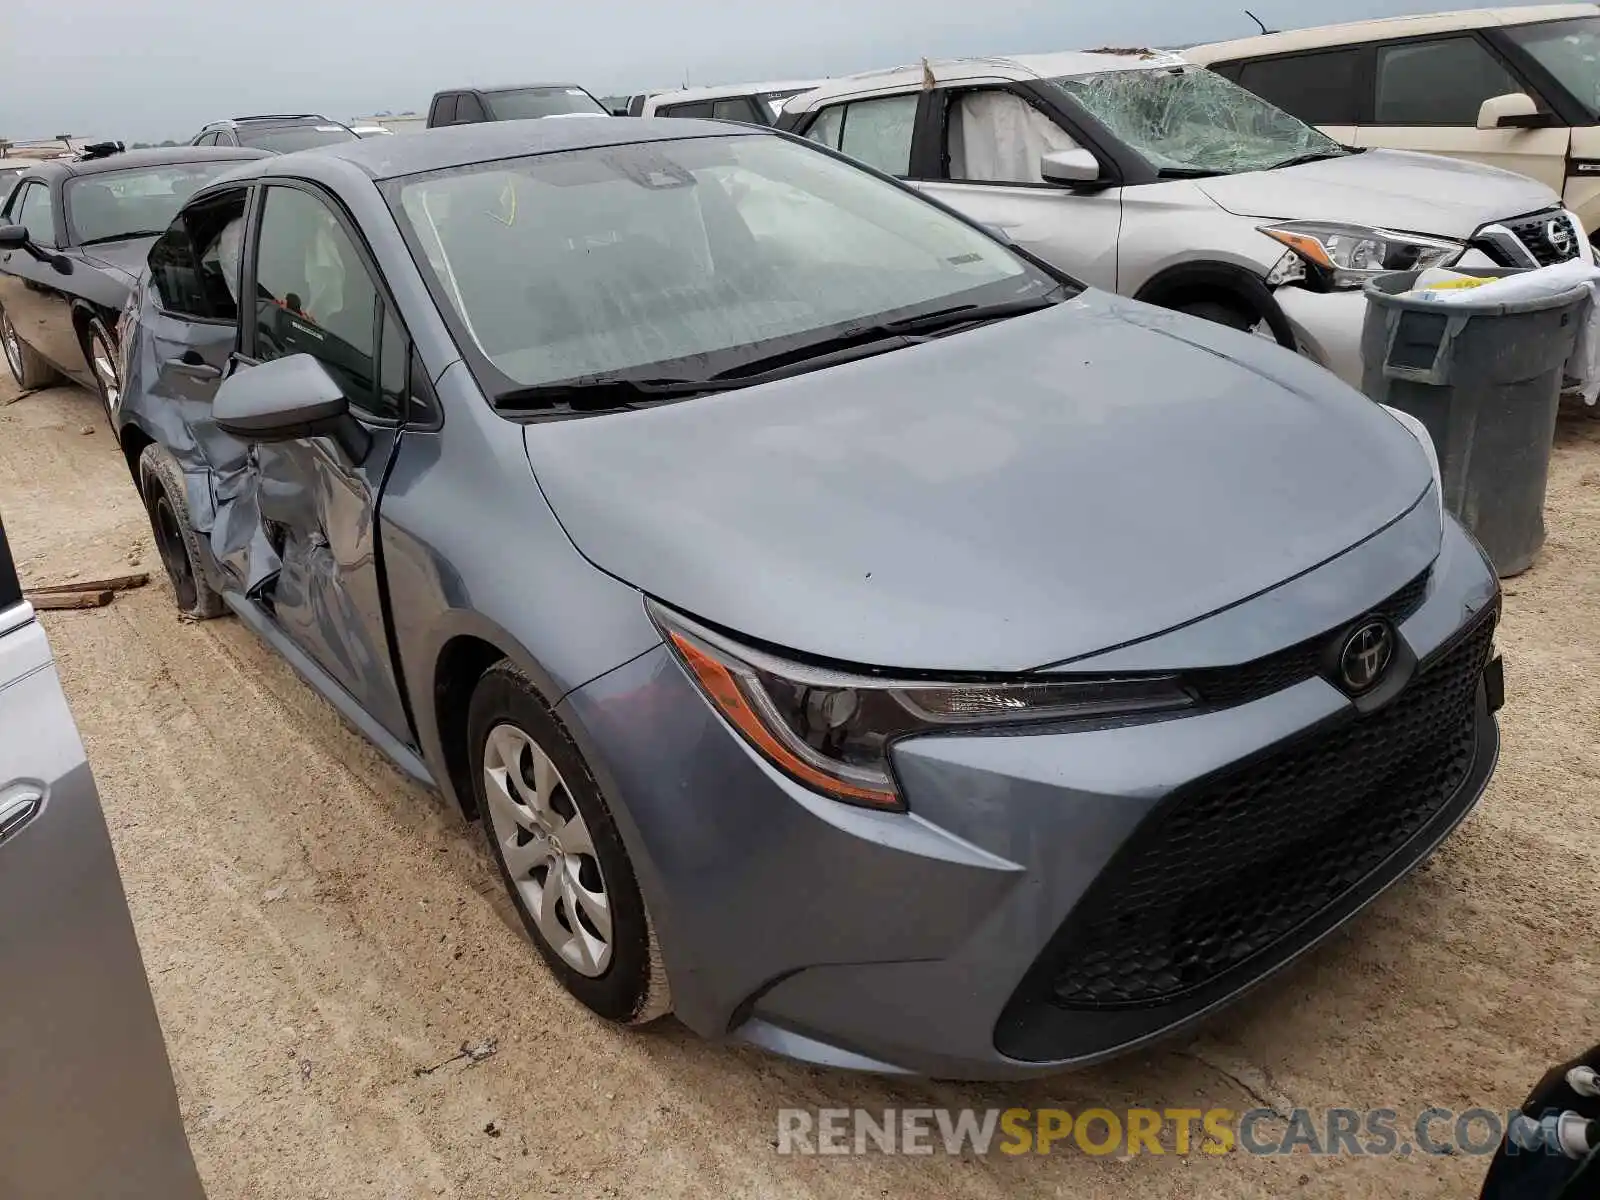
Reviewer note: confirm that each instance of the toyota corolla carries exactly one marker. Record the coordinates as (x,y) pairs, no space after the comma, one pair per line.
(853,635)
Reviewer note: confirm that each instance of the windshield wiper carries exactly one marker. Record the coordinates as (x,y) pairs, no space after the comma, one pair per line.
(1186,173)
(623,390)
(122,237)
(1311,156)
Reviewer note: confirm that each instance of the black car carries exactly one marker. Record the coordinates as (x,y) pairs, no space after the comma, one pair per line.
(276,133)
(468,106)
(73,236)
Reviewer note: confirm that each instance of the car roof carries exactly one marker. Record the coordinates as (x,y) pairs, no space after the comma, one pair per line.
(507,87)
(155,156)
(1061,65)
(489,141)
(736,89)
(1355,32)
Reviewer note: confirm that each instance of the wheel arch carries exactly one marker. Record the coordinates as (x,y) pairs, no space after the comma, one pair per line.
(1187,282)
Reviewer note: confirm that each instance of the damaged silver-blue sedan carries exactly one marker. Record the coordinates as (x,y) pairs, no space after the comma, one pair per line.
(853,635)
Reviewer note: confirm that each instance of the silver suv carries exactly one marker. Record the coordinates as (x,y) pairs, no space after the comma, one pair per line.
(1142,174)
(88,1106)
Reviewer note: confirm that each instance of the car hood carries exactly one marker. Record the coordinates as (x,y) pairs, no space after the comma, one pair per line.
(126,257)
(1023,494)
(1417,193)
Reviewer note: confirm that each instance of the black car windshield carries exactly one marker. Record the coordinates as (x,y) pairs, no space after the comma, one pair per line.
(542,102)
(1569,50)
(705,253)
(137,202)
(1187,120)
(286,139)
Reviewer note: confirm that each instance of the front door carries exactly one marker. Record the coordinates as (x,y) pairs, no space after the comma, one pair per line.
(314,293)
(993,138)
(1426,96)
(32,292)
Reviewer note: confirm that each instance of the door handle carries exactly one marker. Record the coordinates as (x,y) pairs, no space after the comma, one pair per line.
(19,804)
(192,365)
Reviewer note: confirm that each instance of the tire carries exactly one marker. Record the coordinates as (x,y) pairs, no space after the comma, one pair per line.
(557,847)
(28,366)
(100,354)
(1235,316)
(167,501)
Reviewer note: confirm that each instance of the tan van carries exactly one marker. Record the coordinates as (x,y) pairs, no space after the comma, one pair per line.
(1517,88)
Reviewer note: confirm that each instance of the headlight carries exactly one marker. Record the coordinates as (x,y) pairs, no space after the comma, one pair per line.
(1346,256)
(831,730)
(1424,439)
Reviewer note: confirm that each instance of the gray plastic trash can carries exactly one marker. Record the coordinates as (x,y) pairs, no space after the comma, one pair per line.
(1486,381)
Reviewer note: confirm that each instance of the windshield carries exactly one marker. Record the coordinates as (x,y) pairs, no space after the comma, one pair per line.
(286,139)
(138,202)
(1569,50)
(1187,120)
(703,253)
(542,102)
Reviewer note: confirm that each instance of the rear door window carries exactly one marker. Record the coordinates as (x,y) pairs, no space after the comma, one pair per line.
(736,108)
(694,108)
(1321,89)
(1440,82)
(469,109)
(444,110)
(877,132)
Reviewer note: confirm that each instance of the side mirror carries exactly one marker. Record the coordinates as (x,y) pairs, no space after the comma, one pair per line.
(1514,110)
(287,399)
(15,237)
(1069,166)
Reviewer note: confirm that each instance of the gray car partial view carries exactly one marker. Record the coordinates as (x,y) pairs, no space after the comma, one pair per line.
(87,1106)
(853,635)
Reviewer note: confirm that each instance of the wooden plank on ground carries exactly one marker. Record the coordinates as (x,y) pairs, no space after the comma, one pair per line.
(50,600)
(114,583)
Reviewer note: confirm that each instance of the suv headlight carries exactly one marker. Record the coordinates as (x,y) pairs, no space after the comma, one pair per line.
(1346,256)
(831,730)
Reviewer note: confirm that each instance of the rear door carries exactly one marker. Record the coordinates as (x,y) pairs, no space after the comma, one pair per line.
(315,291)
(1426,94)
(189,329)
(87,1105)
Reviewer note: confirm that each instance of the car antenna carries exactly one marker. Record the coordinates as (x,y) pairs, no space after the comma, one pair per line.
(1258,22)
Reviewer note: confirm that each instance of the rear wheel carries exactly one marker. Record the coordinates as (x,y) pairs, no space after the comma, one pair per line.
(28,366)
(559,853)
(161,481)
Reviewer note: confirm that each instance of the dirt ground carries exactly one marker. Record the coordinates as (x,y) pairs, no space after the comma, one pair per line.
(317,931)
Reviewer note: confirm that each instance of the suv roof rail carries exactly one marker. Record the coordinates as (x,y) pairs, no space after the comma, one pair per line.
(282,117)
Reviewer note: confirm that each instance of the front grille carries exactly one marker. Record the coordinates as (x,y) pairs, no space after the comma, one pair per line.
(1224,686)
(1219,874)
(1531,235)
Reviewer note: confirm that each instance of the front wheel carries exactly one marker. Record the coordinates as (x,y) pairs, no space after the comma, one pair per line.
(559,853)
(28,366)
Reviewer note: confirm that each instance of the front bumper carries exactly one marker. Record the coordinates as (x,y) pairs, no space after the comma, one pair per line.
(935,942)
(1327,327)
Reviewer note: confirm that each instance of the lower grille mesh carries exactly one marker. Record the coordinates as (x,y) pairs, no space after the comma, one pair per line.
(1218,875)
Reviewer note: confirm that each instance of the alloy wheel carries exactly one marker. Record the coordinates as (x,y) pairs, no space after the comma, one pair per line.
(105,373)
(545,845)
(13,347)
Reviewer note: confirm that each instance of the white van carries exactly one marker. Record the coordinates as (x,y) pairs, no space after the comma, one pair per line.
(1517,88)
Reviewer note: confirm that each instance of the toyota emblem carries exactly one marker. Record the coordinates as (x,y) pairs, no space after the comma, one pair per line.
(1559,234)
(1365,656)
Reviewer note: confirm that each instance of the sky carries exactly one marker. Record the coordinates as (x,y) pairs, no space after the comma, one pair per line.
(148,70)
